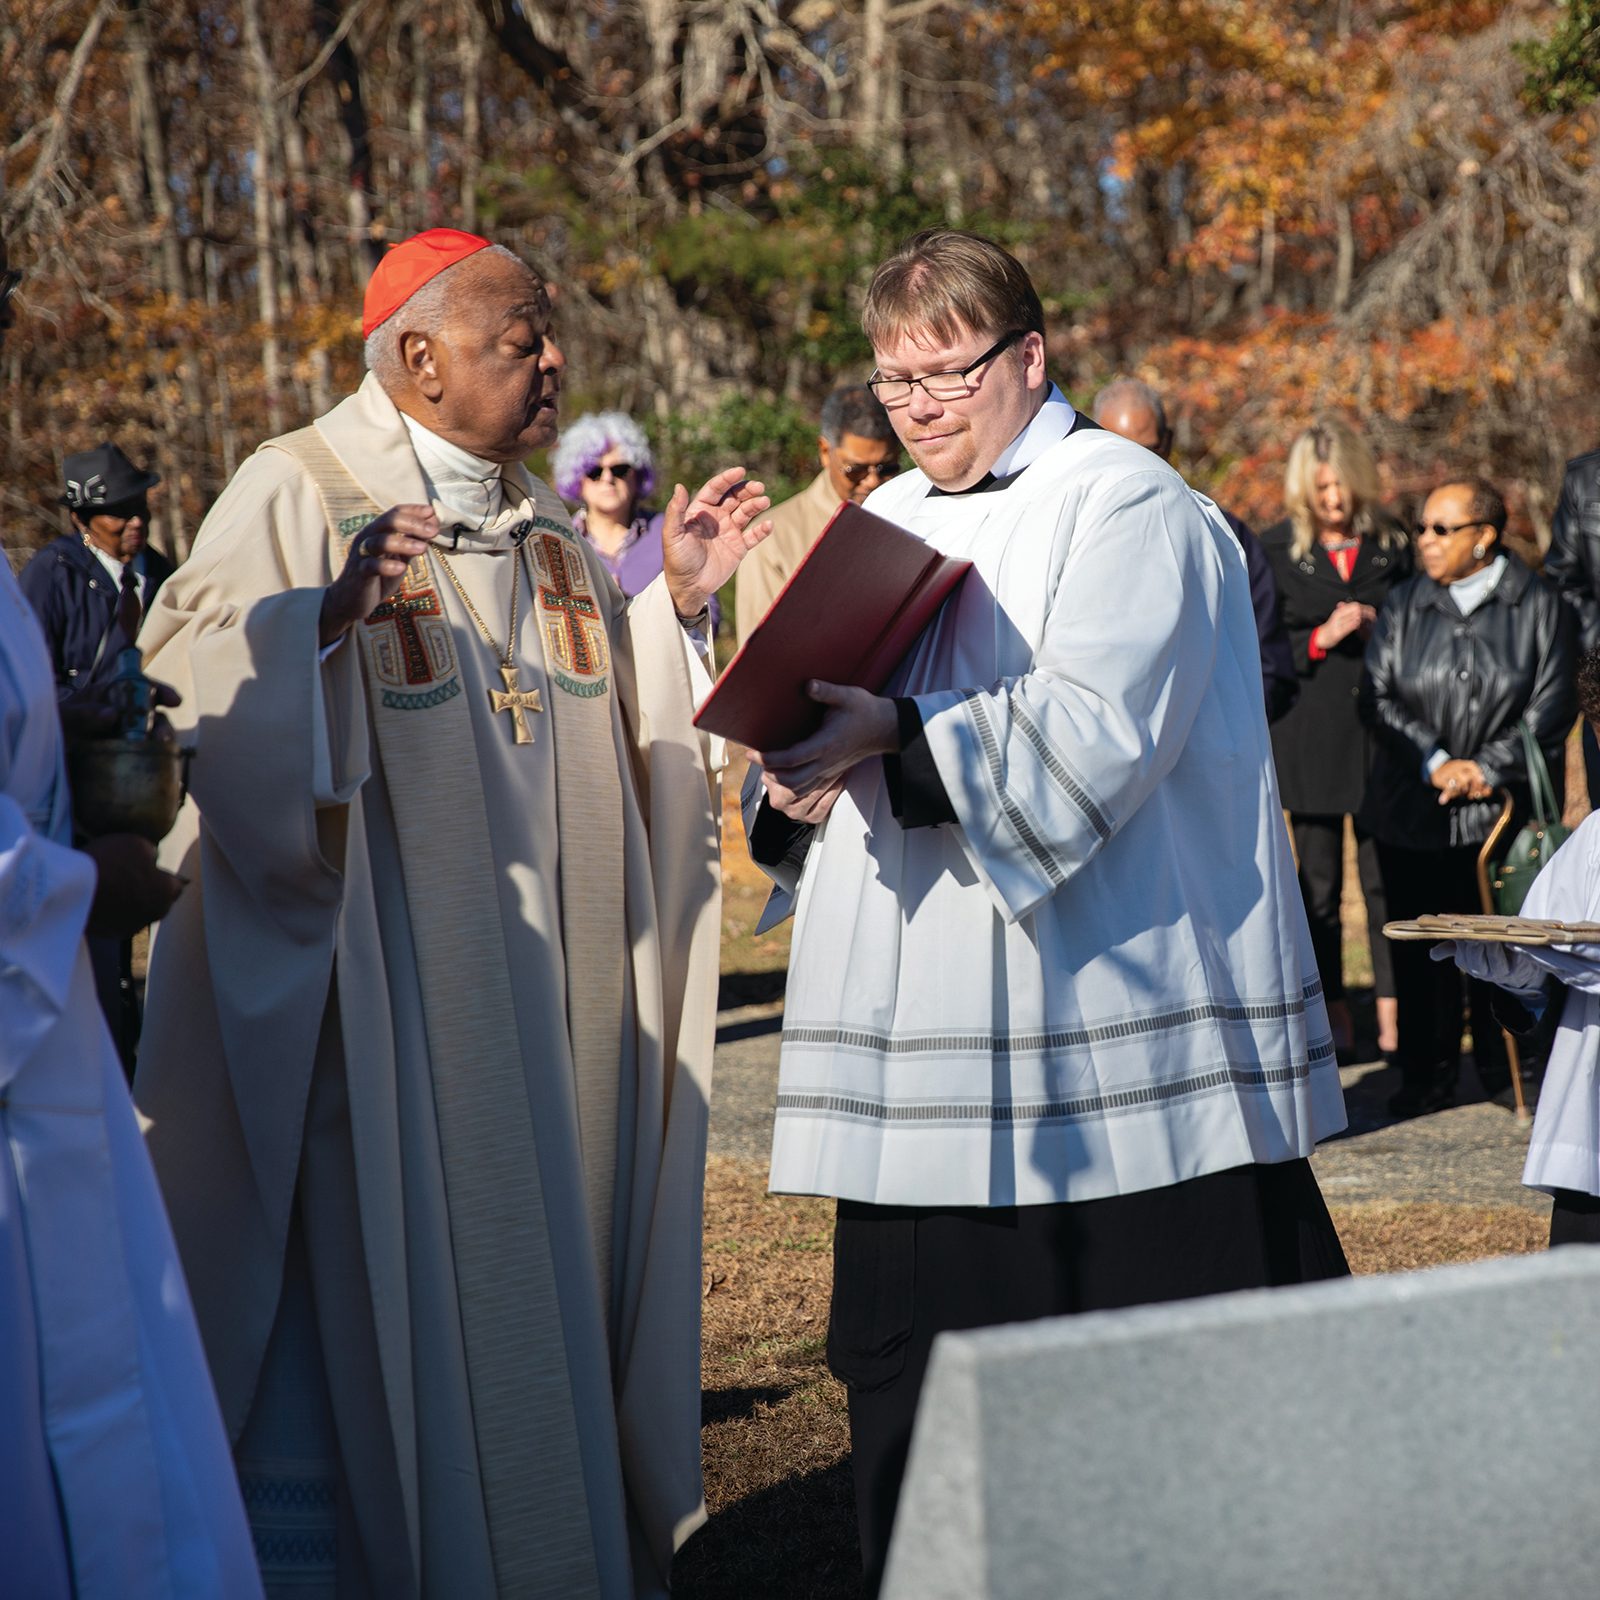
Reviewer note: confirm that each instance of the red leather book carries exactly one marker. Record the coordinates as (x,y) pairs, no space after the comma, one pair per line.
(849,614)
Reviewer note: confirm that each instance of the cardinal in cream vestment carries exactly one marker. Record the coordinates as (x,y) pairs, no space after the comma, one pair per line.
(428,1042)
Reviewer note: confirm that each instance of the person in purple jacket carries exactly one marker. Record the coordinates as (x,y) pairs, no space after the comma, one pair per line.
(604,464)
(1135,410)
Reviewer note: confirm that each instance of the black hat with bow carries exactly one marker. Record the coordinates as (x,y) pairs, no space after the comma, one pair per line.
(102,478)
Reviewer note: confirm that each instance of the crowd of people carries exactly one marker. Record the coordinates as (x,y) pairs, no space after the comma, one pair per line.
(424,1067)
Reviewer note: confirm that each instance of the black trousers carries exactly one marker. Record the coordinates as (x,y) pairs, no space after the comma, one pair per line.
(1418,882)
(903,1274)
(1574,1218)
(1319,847)
(112,962)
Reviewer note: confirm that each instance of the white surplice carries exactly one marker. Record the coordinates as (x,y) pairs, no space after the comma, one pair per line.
(113,1461)
(1564,1151)
(1099,979)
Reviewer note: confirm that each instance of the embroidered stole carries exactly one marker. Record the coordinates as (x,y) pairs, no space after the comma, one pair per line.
(523,1415)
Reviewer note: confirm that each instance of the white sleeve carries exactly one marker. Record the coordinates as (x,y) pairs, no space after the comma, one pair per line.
(1043,769)
(1568,890)
(45,893)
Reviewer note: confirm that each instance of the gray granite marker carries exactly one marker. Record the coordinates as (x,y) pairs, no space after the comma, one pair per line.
(1424,1436)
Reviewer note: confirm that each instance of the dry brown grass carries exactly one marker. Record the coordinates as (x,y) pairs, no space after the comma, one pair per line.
(776,1433)
(776,1436)
(1386,1237)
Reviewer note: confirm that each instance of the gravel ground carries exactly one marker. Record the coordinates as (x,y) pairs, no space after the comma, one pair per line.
(1471,1154)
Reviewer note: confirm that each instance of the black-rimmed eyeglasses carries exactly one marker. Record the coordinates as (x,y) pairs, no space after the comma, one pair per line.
(939,385)
(620,470)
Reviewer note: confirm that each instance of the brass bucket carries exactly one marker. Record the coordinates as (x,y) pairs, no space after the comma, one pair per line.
(127,786)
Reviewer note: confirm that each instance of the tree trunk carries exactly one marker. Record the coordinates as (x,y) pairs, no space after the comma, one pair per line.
(471,56)
(344,73)
(879,104)
(302,231)
(417,126)
(1345,266)
(1266,280)
(266,145)
(153,148)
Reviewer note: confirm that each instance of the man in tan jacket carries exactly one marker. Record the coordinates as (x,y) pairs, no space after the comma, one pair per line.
(858,451)
(427,1055)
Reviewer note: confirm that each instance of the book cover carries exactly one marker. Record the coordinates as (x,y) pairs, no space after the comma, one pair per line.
(849,614)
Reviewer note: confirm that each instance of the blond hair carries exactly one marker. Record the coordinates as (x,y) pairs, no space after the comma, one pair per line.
(1330,442)
(947,282)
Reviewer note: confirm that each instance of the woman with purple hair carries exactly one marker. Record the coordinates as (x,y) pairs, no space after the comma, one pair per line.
(604,463)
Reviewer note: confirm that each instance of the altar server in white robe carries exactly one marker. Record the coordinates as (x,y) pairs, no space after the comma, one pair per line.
(428,1042)
(1053,1035)
(1564,1149)
(115,1482)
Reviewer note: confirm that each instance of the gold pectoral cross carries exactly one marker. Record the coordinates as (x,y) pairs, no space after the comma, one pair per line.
(517,702)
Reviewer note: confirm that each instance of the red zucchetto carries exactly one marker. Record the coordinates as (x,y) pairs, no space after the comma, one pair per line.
(408,266)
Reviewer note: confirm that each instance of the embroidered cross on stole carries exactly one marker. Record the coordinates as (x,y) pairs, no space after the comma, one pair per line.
(521,1400)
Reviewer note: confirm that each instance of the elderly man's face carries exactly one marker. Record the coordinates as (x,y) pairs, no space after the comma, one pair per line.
(492,374)
(956,440)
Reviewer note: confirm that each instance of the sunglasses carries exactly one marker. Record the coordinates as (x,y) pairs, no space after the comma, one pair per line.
(620,470)
(121,511)
(1443,530)
(860,471)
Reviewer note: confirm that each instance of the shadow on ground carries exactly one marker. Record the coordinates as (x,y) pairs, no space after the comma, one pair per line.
(793,1541)
(728,1405)
(750,989)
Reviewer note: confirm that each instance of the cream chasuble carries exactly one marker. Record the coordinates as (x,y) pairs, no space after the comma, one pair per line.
(431,982)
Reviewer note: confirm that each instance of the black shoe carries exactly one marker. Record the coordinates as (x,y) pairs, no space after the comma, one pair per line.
(1418,1099)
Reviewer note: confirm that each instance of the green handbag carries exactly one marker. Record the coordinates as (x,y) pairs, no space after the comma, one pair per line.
(1537,840)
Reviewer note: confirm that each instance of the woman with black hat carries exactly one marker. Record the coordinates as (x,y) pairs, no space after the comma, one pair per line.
(91,587)
(89,590)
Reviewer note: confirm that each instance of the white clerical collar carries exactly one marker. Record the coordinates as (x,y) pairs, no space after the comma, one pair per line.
(1469,593)
(464,483)
(1053,421)
(1050,425)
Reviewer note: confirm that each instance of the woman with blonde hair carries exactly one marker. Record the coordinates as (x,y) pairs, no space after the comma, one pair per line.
(1335,556)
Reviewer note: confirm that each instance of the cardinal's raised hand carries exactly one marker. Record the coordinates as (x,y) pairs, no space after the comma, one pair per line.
(704,539)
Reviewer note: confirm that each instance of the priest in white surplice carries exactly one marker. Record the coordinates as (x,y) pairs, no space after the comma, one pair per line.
(1053,1034)
(428,1044)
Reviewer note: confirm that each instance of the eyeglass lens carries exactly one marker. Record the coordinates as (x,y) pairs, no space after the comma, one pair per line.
(860,471)
(620,470)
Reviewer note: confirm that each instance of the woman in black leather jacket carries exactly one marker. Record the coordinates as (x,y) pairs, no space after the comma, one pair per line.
(1460,654)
